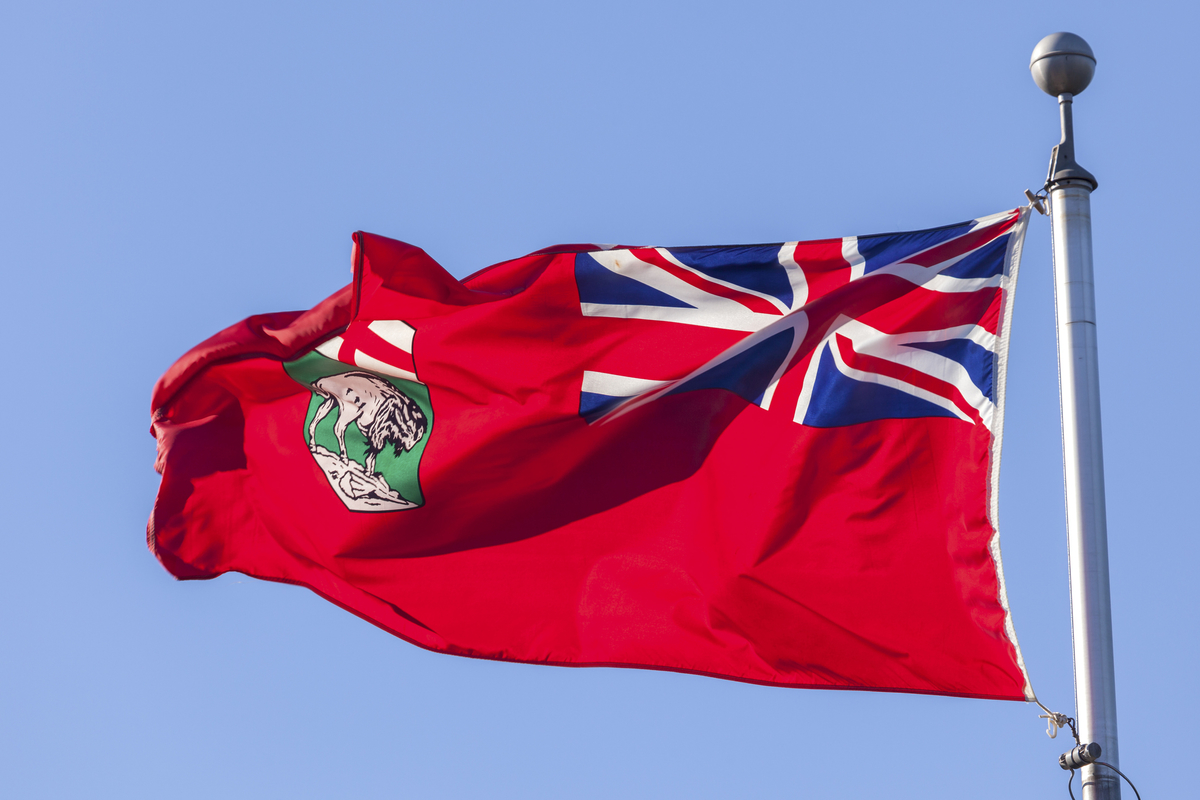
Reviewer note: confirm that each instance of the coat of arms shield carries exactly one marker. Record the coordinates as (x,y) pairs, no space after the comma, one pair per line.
(366,431)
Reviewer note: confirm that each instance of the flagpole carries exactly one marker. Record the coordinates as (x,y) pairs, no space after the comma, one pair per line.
(1062,66)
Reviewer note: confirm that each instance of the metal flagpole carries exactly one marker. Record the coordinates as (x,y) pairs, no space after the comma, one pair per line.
(1063,65)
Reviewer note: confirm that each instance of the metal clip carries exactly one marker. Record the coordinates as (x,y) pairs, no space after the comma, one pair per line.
(1055,721)
(1036,202)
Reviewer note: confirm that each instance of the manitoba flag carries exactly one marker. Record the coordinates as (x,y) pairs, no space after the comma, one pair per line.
(772,463)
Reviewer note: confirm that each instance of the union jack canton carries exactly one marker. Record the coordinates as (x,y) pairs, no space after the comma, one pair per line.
(841,332)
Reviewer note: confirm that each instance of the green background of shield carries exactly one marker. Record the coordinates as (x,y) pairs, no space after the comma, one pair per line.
(400,471)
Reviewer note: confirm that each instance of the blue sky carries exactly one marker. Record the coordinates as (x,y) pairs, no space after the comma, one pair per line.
(168,170)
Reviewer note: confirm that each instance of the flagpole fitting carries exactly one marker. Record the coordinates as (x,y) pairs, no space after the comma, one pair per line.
(1062,66)
(1079,756)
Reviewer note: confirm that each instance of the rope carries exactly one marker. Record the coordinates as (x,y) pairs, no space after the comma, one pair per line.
(1056,722)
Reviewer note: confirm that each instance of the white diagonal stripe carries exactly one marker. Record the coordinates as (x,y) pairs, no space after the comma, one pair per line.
(395,332)
(606,383)
(869,341)
(895,383)
(704,317)
(775,301)
(375,365)
(710,310)
(330,348)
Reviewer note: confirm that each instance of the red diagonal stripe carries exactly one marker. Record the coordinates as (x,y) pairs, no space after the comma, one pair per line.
(963,244)
(925,310)
(881,366)
(751,301)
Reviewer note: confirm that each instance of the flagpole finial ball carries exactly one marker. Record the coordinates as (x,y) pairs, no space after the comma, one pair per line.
(1062,63)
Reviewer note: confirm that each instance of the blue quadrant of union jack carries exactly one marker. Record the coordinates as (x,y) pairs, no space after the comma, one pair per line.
(839,332)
